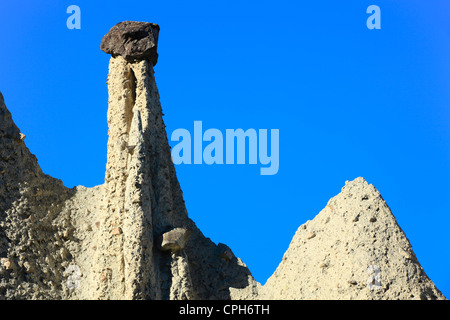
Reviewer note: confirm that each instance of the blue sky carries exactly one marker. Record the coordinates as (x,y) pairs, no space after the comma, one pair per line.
(348,102)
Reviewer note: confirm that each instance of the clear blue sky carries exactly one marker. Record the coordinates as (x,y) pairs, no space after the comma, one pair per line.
(348,102)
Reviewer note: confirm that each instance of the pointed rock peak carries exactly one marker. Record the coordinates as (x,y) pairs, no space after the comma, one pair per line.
(358,198)
(8,128)
(360,190)
(132,40)
(353,249)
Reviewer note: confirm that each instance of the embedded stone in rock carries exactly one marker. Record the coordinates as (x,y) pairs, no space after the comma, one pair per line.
(175,240)
(225,252)
(117,231)
(114,224)
(310,235)
(132,40)
(6,263)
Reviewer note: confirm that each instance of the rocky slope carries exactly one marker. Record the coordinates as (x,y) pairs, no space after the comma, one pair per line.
(131,238)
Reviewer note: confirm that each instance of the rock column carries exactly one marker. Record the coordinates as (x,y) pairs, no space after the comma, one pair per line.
(139,172)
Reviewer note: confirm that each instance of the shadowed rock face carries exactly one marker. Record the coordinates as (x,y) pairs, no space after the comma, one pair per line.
(132,40)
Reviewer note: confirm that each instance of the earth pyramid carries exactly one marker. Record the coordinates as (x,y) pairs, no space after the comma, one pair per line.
(353,249)
(131,237)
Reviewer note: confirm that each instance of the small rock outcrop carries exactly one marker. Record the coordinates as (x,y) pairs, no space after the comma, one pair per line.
(131,237)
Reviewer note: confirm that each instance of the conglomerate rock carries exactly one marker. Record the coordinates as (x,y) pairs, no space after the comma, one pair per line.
(131,238)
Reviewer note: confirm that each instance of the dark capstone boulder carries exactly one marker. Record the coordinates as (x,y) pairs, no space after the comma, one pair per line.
(132,40)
